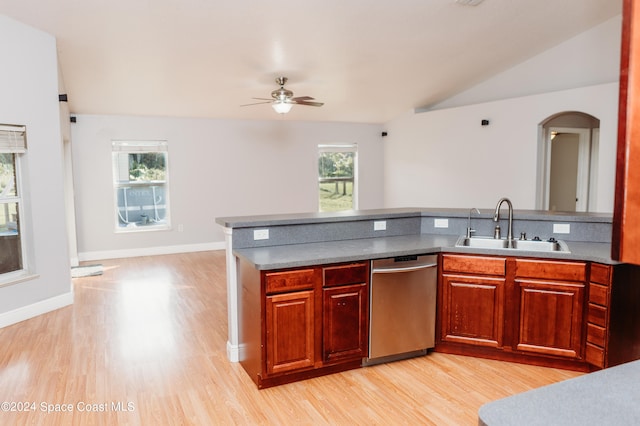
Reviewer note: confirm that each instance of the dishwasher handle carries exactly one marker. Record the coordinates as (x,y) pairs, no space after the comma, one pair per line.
(403,269)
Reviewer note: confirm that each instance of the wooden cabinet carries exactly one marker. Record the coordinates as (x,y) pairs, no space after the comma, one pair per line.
(472,308)
(345,322)
(289,319)
(302,323)
(527,310)
(305,322)
(564,314)
(626,228)
(345,312)
(551,307)
(613,317)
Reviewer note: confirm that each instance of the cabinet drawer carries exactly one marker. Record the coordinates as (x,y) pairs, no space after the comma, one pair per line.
(474,264)
(594,355)
(600,274)
(597,315)
(355,273)
(596,335)
(300,279)
(553,270)
(598,294)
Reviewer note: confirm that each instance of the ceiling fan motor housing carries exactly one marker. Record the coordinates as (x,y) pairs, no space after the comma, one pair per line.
(282,94)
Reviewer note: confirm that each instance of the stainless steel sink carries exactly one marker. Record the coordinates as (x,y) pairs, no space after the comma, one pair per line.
(532,245)
(521,245)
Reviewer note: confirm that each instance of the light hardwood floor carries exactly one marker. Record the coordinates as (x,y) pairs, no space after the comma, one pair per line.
(150,335)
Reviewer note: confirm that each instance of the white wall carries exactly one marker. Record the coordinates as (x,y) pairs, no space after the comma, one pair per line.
(444,158)
(29,88)
(588,59)
(216,168)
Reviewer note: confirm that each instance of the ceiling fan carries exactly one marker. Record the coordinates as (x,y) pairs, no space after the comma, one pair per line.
(282,99)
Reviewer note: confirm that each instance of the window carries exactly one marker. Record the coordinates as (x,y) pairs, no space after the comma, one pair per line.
(140,178)
(12,244)
(337,171)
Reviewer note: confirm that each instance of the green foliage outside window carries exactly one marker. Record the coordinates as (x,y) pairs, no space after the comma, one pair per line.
(336,173)
(147,167)
(336,164)
(7,175)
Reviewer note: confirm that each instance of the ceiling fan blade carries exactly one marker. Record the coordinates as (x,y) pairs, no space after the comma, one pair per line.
(315,104)
(302,98)
(258,103)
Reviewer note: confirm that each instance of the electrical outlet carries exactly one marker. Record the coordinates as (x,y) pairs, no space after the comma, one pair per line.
(379,225)
(561,228)
(440,223)
(261,234)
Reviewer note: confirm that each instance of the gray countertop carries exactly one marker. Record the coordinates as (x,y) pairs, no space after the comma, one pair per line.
(314,217)
(349,215)
(606,397)
(296,255)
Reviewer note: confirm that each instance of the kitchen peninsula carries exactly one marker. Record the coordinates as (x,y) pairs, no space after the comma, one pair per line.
(595,324)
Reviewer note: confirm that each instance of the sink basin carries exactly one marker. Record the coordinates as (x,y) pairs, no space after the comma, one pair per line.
(482,242)
(522,245)
(531,245)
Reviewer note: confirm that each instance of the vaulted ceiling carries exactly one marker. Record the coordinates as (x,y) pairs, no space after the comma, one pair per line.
(367,60)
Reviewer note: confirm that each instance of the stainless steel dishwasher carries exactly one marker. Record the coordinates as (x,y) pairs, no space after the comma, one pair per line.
(403,307)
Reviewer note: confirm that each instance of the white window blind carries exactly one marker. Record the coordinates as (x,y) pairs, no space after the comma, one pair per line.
(338,148)
(12,139)
(139,146)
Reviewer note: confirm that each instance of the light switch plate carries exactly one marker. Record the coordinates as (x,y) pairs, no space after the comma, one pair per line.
(260,234)
(379,225)
(561,228)
(440,223)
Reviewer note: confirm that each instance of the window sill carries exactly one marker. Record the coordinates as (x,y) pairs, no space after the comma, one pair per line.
(17,278)
(142,228)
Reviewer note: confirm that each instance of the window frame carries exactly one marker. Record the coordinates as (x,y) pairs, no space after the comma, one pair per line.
(140,147)
(16,145)
(345,147)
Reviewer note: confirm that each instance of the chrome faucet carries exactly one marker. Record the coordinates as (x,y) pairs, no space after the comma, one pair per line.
(496,218)
(469,230)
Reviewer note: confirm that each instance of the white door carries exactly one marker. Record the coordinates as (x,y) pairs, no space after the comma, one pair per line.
(568,152)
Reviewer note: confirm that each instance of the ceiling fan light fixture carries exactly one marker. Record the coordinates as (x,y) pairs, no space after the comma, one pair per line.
(281,107)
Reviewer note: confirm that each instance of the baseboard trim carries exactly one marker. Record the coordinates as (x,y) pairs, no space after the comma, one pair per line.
(233,352)
(36,309)
(150,251)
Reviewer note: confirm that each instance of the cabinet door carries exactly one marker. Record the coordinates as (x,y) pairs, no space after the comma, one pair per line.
(473,310)
(551,317)
(345,325)
(290,331)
